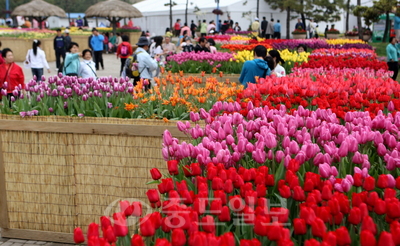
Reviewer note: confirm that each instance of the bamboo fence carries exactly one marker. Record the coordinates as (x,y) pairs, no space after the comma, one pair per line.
(57,173)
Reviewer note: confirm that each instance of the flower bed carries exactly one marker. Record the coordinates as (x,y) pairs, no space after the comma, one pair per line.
(339,90)
(269,177)
(26,33)
(173,98)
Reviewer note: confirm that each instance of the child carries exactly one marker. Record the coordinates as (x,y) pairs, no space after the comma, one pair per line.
(87,67)
(72,64)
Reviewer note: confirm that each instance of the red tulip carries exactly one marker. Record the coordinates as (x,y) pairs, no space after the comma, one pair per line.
(357,179)
(147,227)
(300,227)
(155,173)
(178,237)
(326,192)
(137,209)
(105,222)
(225,215)
(311,242)
(208,224)
(93,230)
(380,207)
(137,240)
(217,183)
(153,195)
(355,216)
(342,236)
(367,238)
(393,208)
(261,191)
(318,228)
(228,186)
(120,225)
(78,236)
(368,224)
(109,235)
(330,239)
(261,225)
(126,208)
(274,231)
(216,207)
(284,191)
(173,167)
(298,194)
(383,181)
(369,183)
(385,239)
(307,214)
(162,242)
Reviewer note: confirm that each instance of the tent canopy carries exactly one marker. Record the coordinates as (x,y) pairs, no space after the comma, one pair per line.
(113,9)
(159,5)
(38,8)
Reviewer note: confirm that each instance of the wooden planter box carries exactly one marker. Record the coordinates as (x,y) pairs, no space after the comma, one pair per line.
(231,77)
(332,36)
(299,36)
(366,38)
(351,37)
(21,46)
(57,173)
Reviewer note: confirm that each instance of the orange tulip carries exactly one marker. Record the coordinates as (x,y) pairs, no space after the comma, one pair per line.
(214,70)
(221,74)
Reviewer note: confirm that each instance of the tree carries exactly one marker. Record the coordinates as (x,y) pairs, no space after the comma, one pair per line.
(319,10)
(284,5)
(186,12)
(170,4)
(371,15)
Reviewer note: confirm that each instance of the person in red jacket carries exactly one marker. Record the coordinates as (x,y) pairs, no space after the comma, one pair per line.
(11,73)
(124,51)
(1,57)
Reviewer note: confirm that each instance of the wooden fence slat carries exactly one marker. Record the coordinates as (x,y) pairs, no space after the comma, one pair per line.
(88,128)
(38,235)
(3,191)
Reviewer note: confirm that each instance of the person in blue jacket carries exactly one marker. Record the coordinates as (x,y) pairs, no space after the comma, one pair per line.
(255,68)
(393,53)
(72,63)
(397,25)
(97,44)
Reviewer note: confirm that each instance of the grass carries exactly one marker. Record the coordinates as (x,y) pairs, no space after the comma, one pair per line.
(380,48)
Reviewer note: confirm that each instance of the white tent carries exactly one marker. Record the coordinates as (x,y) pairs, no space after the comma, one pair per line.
(156,14)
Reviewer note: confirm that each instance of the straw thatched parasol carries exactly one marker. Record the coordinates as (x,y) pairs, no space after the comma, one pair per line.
(114,11)
(38,10)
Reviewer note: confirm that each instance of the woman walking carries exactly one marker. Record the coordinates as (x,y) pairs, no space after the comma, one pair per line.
(392,53)
(37,60)
(72,63)
(10,73)
(278,69)
(124,51)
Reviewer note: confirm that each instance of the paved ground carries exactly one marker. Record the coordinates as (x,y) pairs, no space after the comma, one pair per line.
(19,242)
(111,67)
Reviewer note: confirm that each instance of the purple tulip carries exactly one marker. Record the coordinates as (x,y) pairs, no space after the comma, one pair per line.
(324,170)
(22,114)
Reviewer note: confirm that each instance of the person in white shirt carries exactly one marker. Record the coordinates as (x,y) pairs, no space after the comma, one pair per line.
(87,68)
(278,69)
(156,49)
(36,59)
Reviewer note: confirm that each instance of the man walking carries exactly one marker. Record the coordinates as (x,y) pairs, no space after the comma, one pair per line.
(270,30)
(67,38)
(59,48)
(277,30)
(97,44)
(255,26)
(300,25)
(264,25)
(193,28)
(177,27)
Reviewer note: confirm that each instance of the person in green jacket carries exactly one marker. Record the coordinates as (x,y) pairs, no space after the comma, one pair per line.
(72,63)
(111,42)
(203,28)
(393,53)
